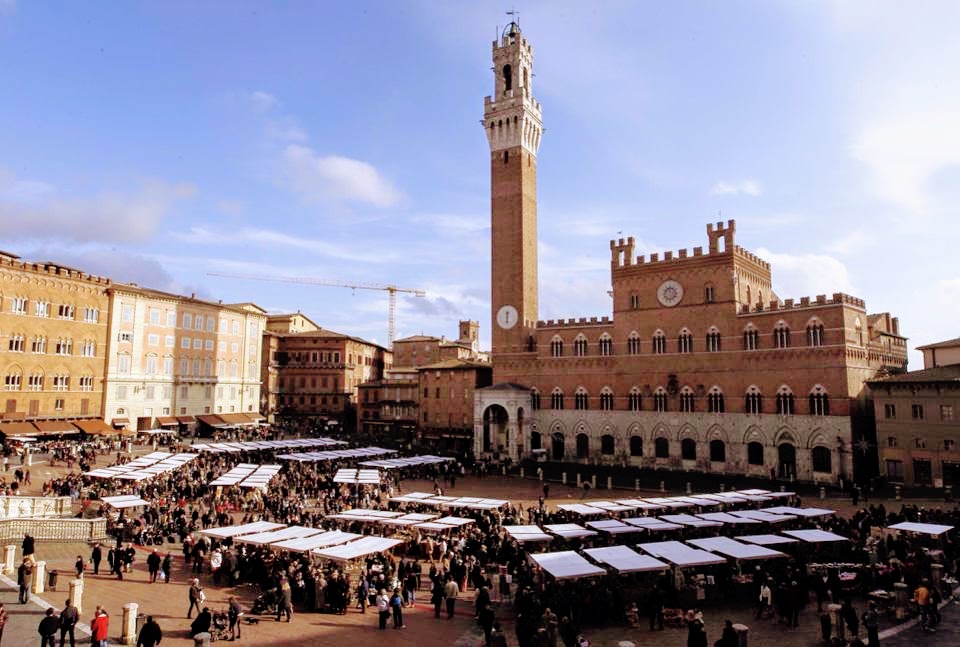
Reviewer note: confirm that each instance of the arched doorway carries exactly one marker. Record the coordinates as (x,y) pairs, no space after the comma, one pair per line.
(787,455)
(534,440)
(494,428)
(583,446)
(558,449)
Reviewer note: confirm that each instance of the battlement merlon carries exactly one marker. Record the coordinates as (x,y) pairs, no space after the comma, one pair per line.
(718,231)
(621,252)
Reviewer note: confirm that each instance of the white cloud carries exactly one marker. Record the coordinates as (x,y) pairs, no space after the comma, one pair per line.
(454,222)
(263,101)
(286,129)
(857,240)
(751,188)
(31,212)
(231,207)
(274,239)
(332,178)
(802,275)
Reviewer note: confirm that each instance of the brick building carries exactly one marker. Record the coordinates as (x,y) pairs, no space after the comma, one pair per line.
(701,366)
(53,342)
(447,391)
(390,407)
(918,428)
(420,350)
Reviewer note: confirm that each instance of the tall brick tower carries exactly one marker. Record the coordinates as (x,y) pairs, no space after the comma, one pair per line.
(513,123)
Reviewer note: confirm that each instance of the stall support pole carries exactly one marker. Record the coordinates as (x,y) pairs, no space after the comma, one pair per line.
(609,482)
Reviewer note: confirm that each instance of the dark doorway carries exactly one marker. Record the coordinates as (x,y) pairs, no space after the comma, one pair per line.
(558,449)
(788,461)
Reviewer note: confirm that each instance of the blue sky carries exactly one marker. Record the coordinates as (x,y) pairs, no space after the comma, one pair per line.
(156,142)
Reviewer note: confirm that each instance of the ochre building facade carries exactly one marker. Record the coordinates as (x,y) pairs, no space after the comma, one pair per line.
(701,366)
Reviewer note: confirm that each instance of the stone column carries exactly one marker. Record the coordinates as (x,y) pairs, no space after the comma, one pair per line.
(76,594)
(27,457)
(39,575)
(834,610)
(9,557)
(128,627)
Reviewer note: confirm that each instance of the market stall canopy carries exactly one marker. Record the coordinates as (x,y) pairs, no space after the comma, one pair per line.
(566,565)
(651,523)
(272,536)
(735,549)
(242,529)
(409,461)
(261,477)
(360,514)
(922,528)
(610,506)
(336,454)
(768,540)
(814,536)
(235,474)
(625,560)
(699,501)
(724,517)
(527,533)
(357,477)
(670,503)
(408,519)
(357,549)
(582,509)
(306,544)
(125,501)
(20,428)
(54,427)
(145,467)
(569,530)
(689,520)
(639,504)
(289,443)
(800,512)
(762,515)
(767,493)
(472,503)
(612,526)
(719,498)
(682,555)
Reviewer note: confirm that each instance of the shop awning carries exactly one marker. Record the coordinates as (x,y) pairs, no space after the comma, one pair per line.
(626,560)
(95,427)
(17,429)
(55,427)
(213,421)
(186,420)
(167,421)
(120,422)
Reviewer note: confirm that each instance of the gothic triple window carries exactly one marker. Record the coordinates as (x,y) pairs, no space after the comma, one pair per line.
(606,345)
(580,346)
(659,343)
(634,399)
(715,402)
(556,399)
(781,336)
(581,400)
(556,347)
(685,342)
(815,333)
(606,399)
(753,401)
(660,400)
(751,338)
(687,400)
(633,343)
(534,399)
(819,402)
(713,340)
(785,402)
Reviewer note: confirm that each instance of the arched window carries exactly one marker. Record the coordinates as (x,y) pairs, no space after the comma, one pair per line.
(580,399)
(815,333)
(819,402)
(754,453)
(633,343)
(636,445)
(13,380)
(718,451)
(507,78)
(709,293)
(606,344)
(822,460)
(534,399)
(751,338)
(785,401)
(607,445)
(660,399)
(753,401)
(634,399)
(606,399)
(580,346)
(713,340)
(715,402)
(687,400)
(583,446)
(859,329)
(661,448)
(781,335)
(556,399)
(688,449)
(685,342)
(556,346)
(659,343)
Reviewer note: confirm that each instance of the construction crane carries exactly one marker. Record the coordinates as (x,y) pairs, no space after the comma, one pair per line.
(391,291)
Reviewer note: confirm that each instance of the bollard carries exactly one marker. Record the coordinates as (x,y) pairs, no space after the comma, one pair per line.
(128,627)
(936,574)
(9,556)
(521,473)
(636,485)
(896,491)
(76,594)
(834,610)
(900,604)
(948,493)
(563,480)
(39,576)
(28,458)
(823,492)
(579,482)
(662,487)
(689,489)
(743,632)
(202,639)
(609,482)
(593,481)
(723,487)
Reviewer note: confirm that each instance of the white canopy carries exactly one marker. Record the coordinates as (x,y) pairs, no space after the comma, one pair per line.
(409,461)
(126,501)
(680,554)
(243,529)
(336,454)
(610,506)
(800,512)
(145,467)
(469,502)
(814,536)
(566,565)
(612,526)
(582,509)
(724,517)
(762,515)
(625,559)
(767,540)
(363,477)
(670,503)
(689,520)
(923,528)
(357,549)
(413,497)
(569,530)
(408,519)
(640,504)
(289,443)
(290,532)
(527,533)
(651,523)
(735,549)
(455,521)
(306,544)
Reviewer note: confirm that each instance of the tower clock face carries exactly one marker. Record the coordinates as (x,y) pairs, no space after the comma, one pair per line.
(507,317)
(670,293)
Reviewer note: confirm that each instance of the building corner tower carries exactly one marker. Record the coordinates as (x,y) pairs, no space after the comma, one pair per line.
(512,119)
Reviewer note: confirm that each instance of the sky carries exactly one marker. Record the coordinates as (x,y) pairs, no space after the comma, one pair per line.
(160,142)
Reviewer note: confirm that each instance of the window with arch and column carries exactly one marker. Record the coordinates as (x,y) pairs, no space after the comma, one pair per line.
(633,343)
(605,345)
(580,346)
(753,401)
(661,447)
(819,402)
(821,459)
(659,343)
(688,449)
(685,342)
(556,347)
(606,399)
(815,333)
(556,399)
(718,451)
(785,401)
(781,336)
(583,446)
(713,340)
(687,400)
(534,399)
(13,380)
(634,399)
(607,445)
(636,445)
(581,400)
(858,327)
(751,338)
(660,400)
(715,403)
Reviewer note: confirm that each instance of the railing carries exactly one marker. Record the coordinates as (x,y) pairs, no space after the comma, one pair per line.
(53,530)
(13,507)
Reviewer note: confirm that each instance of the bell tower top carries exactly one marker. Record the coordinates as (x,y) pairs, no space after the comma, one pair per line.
(512,117)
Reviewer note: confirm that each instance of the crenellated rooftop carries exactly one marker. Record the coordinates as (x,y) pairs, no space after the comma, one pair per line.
(51,269)
(574,323)
(839,298)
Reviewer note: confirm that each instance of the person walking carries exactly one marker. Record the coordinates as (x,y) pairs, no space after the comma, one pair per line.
(166,567)
(871,622)
(383,609)
(450,593)
(150,634)
(99,628)
(550,623)
(78,567)
(922,597)
(487,619)
(153,565)
(849,616)
(69,618)
(234,614)
(729,636)
(696,631)
(285,600)
(196,596)
(363,594)
(436,597)
(24,580)
(96,555)
(48,628)
(396,606)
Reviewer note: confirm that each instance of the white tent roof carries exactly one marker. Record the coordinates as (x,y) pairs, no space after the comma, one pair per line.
(243,529)
(680,554)
(670,503)
(306,544)
(625,559)
(763,515)
(689,520)
(800,512)
(610,506)
(640,504)
(735,549)
(366,477)
(814,536)
(724,517)
(412,497)
(290,532)
(126,501)
(923,528)
(527,533)
(409,461)
(566,565)
(612,526)
(651,523)
(569,530)
(582,509)
(336,454)
(357,549)
(767,540)
(455,521)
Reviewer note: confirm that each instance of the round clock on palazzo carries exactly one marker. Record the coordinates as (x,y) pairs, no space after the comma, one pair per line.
(507,317)
(670,293)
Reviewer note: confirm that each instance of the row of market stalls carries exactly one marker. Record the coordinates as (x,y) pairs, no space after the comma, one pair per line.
(248,475)
(145,467)
(274,445)
(336,454)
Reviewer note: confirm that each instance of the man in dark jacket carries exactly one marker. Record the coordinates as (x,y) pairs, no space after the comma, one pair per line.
(68,620)
(153,565)
(48,629)
(150,634)
(96,556)
(27,545)
(201,624)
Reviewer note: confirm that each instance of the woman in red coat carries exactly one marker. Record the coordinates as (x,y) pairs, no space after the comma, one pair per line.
(99,628)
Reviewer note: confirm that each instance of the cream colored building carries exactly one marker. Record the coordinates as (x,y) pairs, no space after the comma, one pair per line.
(944,353)
(173,357)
